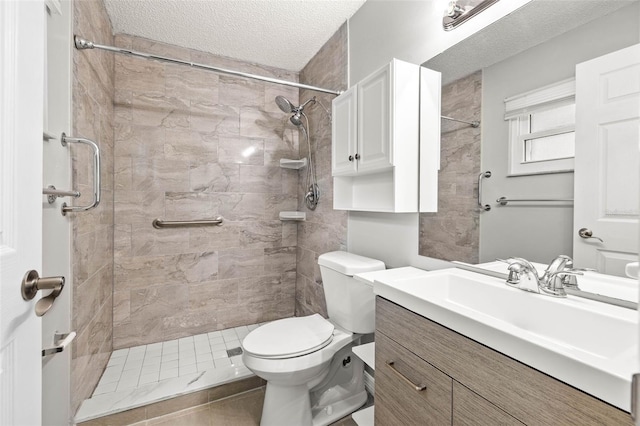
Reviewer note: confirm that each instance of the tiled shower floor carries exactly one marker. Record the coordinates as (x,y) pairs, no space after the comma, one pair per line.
(149,373)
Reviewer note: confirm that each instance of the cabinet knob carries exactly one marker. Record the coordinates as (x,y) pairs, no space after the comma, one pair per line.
(357,156)
(351,158)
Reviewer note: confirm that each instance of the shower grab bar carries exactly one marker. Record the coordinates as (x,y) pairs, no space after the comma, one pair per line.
(485,207)
(474,123)
(52,193)
(96,174)
(503,201)
(158,223)
(82,44)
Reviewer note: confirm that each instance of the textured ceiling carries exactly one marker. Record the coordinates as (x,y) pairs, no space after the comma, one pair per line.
(280,33)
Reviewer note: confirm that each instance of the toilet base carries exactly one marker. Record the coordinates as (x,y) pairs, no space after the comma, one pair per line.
(340,393)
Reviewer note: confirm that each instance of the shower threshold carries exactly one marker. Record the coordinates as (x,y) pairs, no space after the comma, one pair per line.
(146,374)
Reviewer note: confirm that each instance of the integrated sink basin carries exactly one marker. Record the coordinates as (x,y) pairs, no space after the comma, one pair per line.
(587,344)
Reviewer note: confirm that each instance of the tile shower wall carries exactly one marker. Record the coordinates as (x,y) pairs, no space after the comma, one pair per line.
(325,229)
(92,256)
(453,233)
(191,144)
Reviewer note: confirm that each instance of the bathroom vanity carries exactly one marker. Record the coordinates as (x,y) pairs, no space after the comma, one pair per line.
(427,373)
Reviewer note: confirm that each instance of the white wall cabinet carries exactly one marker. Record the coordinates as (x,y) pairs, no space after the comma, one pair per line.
(377,139)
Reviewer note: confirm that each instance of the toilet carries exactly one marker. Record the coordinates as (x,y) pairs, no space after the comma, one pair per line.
(313,378)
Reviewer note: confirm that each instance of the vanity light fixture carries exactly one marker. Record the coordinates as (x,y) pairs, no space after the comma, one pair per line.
(459,11)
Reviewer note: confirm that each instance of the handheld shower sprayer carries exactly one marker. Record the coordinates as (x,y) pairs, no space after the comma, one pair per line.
(312,194)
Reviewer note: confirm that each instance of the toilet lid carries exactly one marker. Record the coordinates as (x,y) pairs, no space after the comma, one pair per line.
(289,337)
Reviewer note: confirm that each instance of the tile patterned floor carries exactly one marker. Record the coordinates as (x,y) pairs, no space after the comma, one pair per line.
(147,364)
(147,374)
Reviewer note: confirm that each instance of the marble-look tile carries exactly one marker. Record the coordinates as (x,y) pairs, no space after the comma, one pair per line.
(257,123)
(121,306)
(213,295)
(138,206)
(257,179)
(139,75)
(154,303)
(160,174)
(191,206)
(210,117)
(238,263)
(261,234)
(241,151)
(241,91)
(276,149)
(192,84)
(149,241)
(242,206)
(213,177)
(195,147)
(138,141)
(158,110)
(448,234)
(215,237)
(275,203)
(279,260)
(138,272)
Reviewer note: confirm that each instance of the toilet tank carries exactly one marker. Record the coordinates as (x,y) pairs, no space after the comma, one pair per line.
(350,303)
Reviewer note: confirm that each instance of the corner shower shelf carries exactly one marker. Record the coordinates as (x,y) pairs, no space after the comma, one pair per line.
(286,163)
(297,216)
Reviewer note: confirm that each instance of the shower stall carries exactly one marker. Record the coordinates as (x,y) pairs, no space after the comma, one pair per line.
(187,145)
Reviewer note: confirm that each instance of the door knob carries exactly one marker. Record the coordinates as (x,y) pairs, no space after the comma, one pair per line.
(351,158)
(32,283)
(588,233)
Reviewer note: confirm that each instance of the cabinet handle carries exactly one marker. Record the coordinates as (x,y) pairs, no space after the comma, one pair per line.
(351,158)
(419,388)
(357,156)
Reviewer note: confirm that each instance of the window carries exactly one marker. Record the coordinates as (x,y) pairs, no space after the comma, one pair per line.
(542,129)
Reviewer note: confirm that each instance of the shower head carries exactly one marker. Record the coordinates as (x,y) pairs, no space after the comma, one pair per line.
(284,104)
(296,118)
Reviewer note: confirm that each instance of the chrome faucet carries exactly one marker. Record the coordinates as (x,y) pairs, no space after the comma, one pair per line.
(523,275)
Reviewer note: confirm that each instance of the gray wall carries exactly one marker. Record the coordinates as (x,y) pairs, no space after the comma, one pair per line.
(537,232)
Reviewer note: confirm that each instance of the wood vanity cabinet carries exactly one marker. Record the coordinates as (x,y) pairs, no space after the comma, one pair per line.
(466,382)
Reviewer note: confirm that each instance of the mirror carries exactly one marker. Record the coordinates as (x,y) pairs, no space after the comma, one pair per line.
(535,46)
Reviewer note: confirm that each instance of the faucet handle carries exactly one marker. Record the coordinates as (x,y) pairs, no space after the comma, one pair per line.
(523,275)
(557,281)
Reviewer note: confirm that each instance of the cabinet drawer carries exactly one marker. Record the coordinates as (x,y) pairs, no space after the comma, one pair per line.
(470,409)
(397,401)
(527,394)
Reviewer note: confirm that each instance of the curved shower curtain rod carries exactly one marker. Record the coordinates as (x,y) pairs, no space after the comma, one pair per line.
(82,44)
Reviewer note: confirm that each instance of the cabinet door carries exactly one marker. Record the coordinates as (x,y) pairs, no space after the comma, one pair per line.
(398,402)
(345,133)
(374,121)
(470,409)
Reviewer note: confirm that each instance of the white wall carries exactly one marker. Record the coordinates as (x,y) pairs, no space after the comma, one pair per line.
(410,30)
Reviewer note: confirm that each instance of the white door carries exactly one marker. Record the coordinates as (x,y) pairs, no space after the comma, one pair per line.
(607,161)
(21,106)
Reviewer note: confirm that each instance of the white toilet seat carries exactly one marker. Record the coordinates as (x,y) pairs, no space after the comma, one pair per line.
(289,337)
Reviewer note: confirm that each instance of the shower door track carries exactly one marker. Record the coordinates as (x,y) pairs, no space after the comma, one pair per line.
(82,44)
